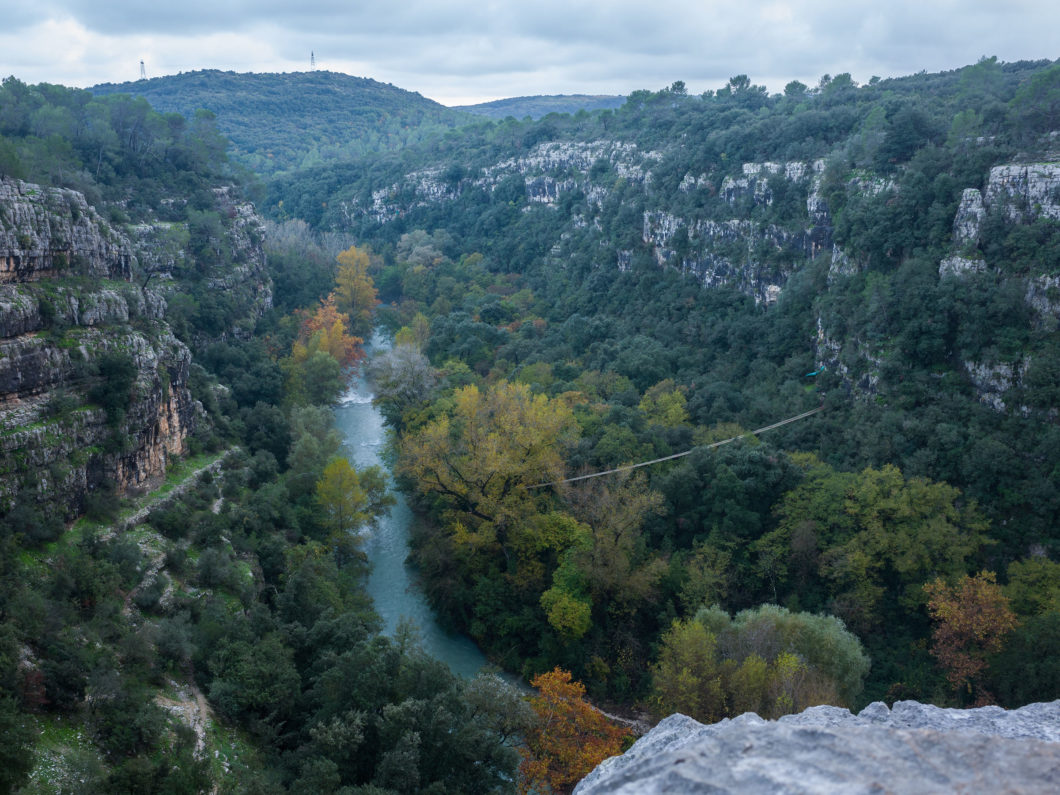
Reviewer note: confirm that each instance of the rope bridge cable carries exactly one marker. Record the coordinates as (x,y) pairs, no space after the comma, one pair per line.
(711,446)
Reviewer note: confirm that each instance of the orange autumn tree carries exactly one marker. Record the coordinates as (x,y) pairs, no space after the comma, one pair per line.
(323,357)
(333,328)
(972,620)
(571,736)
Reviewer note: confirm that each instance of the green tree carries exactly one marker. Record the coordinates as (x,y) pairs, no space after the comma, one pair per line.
(687,676)
(1038,101)
(349,499)
(766,660)
(876,537)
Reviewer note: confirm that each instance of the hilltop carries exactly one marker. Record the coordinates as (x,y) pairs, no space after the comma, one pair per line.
(279,122)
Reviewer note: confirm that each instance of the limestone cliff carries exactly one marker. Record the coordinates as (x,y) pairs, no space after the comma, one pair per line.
(77,291)
(910,748)
(45,232)
(1021,193)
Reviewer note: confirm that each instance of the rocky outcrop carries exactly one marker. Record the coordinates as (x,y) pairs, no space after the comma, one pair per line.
(48,232)
(1025,190)
(60,452)
(754,184)
(1043,296)
(856,366)
(959,266)
(548,171)
(910,748)
(993,381)
(969,218)
(753,258)
(244,277)
(1022,192)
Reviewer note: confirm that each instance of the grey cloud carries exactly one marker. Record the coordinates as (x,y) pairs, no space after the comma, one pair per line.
(479,47)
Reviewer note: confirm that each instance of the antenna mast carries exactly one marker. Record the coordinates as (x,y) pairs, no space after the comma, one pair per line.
(143,72)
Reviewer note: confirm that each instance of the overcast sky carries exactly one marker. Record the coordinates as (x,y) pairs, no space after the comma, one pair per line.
(463,51)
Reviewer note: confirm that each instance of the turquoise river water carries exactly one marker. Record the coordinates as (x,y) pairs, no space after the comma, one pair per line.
(391,583)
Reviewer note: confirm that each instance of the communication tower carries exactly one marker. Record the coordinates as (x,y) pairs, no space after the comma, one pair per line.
(312,60)
(143,72)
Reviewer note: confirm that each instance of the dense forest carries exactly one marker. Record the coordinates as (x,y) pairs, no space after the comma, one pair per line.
(538,106)
(566,296)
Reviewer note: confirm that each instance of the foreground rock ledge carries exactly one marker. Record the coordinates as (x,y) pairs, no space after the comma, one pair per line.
(912,748)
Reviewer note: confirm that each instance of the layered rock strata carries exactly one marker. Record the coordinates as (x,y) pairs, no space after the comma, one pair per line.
(75,291)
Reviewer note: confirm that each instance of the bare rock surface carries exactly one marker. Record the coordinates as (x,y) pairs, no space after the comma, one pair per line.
(910,748)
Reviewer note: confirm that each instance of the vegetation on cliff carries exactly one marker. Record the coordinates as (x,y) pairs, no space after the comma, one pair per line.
(244,585)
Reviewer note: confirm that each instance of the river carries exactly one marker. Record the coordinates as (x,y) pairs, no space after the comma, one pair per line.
(392,584)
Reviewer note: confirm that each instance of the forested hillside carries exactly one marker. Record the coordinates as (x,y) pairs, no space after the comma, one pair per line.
(606,288)
(282,122)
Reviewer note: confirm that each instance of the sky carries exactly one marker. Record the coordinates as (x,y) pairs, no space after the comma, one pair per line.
(467,51)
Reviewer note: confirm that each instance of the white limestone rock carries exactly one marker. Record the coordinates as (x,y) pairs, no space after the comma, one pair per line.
(969,218)
(1025,190)
(959,266)
(911,748)
(992,381)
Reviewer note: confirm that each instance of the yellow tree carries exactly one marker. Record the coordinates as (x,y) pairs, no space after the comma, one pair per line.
(348,500)
(482,458)
(354,289)
(664,404)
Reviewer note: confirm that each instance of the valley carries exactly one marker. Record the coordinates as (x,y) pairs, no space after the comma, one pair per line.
(188,290)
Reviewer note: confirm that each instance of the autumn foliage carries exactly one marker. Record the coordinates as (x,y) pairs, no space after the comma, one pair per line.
(570,738)
(972,620)
(354,289)
(326,328)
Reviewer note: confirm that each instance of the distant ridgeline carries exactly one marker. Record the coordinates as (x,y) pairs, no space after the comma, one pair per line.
(280,122)
(537,106)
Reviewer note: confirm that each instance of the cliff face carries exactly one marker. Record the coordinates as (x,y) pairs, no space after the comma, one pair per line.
(45,232)
(1021,193)
(242,277)
(910,748)
(70,308)
(751,232)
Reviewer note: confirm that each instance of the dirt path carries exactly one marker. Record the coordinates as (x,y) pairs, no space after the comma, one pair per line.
(142,512)
(191,708)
